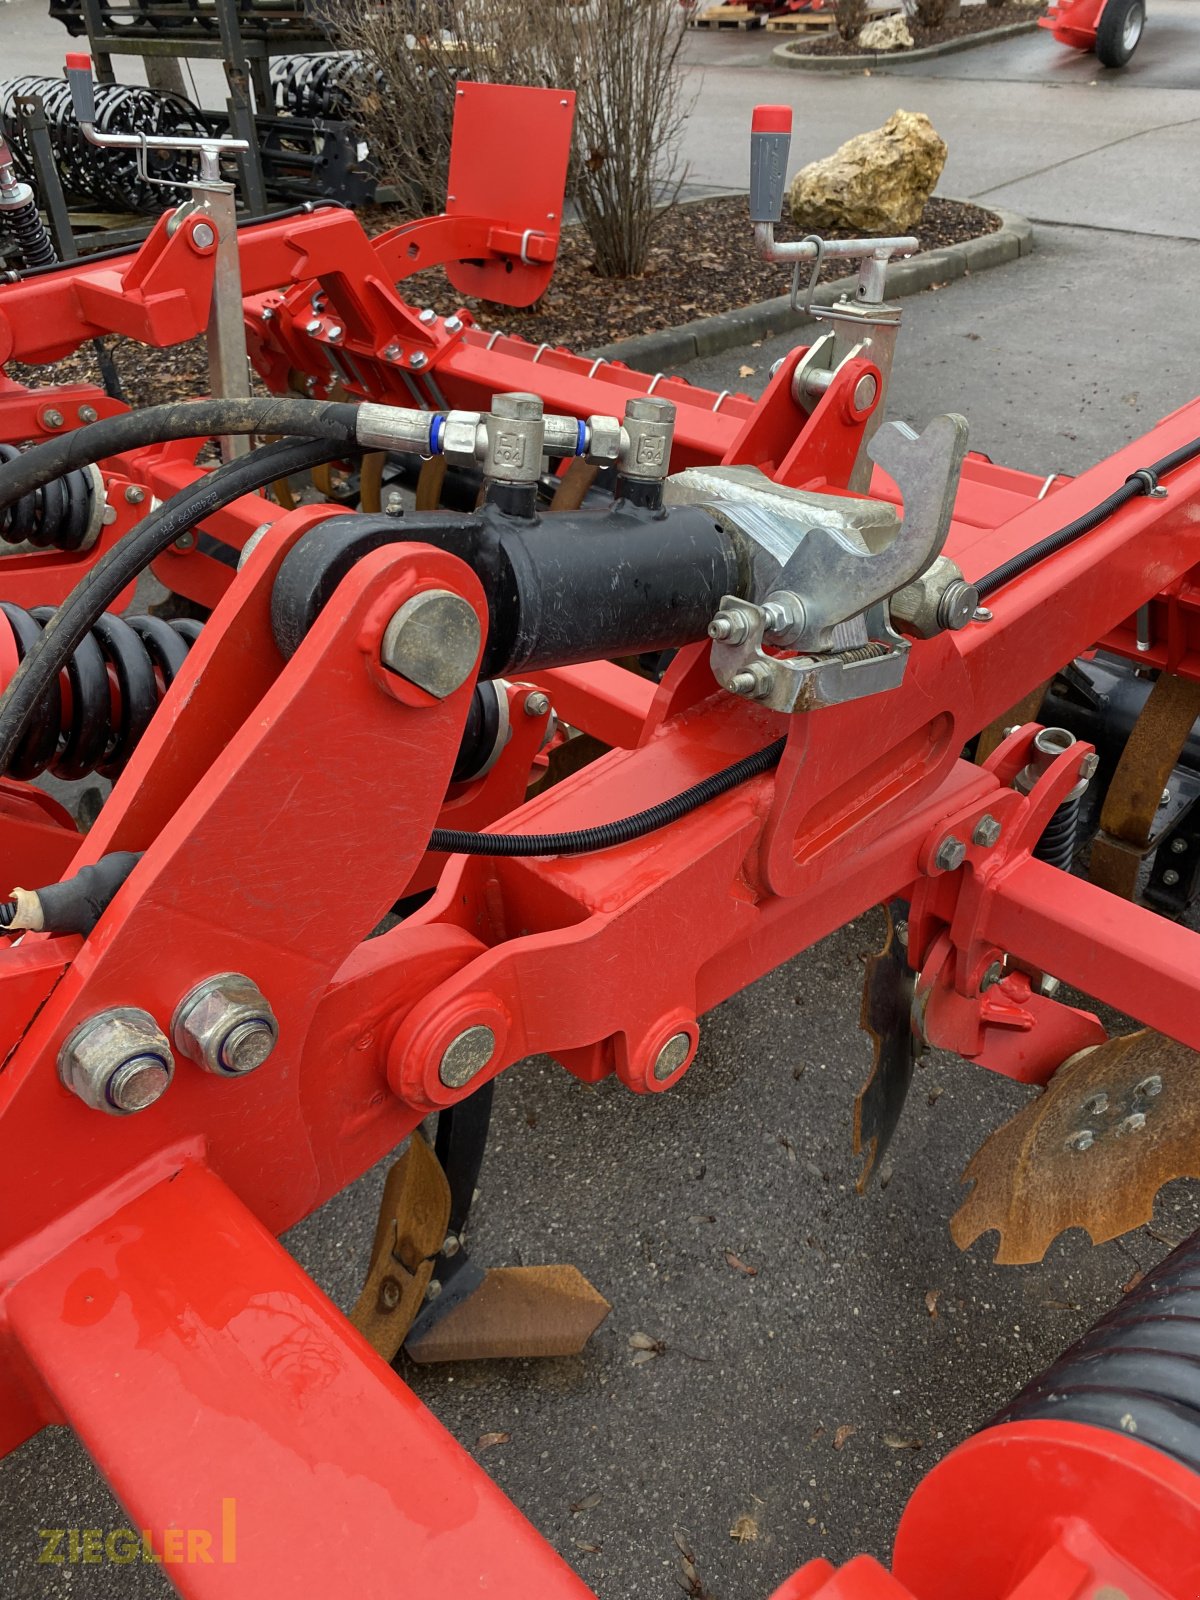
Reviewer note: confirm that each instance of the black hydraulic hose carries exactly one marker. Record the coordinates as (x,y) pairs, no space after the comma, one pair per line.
(120,565)
(607,834)
(181,419)
(1143,481)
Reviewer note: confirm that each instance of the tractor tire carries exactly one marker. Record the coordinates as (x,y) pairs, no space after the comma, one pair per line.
(1120,31)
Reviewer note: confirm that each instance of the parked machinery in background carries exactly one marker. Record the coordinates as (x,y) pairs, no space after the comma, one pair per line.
(430,790)
(1110,29)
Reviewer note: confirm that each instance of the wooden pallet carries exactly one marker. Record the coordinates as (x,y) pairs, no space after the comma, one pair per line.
(728,16)
(821,21)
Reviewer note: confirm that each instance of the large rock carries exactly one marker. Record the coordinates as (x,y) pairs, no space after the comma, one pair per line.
(876,183)
(885,33)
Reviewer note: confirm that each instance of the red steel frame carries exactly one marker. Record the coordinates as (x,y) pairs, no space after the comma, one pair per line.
(143,1299)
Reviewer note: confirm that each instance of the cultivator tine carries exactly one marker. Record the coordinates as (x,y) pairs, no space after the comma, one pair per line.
(574,484)
(513,1314)
(1115,1123)
(1134,796)
(413,1218)
(1025,710)
(429,483)
(886,1016)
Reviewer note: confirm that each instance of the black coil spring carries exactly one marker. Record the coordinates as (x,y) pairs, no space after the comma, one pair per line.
(1057,843)
(114,682)
(315,86)
(56,516)
(110,177)
(29,233)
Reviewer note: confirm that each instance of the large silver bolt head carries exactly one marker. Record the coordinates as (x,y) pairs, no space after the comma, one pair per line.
(433,641)
(203,235)
(518,406)
(466,1056)
(951,854)
(118,1061)
(225,1025)
(672,1056)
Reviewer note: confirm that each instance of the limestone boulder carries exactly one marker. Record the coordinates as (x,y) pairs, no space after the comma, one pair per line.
(885,33)
(876,183)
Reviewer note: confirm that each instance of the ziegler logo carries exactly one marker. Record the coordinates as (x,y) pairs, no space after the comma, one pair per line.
(121,1546)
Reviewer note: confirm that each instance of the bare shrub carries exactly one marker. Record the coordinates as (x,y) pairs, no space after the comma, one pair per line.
(622,59)
(928,13)
(849,17)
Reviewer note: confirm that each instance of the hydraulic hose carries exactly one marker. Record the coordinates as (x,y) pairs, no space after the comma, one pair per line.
(608,834)
(1143,481)
(183,419)
(120,565)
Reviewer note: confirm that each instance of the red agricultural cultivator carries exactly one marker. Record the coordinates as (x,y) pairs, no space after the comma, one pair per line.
(566,659)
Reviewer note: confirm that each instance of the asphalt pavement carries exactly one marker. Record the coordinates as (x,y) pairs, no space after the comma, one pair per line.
(810,1393)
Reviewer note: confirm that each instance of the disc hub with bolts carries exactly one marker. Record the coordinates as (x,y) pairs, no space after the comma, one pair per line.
(433,641)
(225,1025)
(672,1056)
(118,1061)
(466,1056)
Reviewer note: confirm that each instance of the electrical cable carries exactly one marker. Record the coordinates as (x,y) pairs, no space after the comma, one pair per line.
(1143,481)
(180,419)
(126,559)
(608,834)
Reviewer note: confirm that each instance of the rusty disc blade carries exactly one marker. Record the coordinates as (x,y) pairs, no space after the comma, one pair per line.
(517,1312)
(886,1017)
(1114,1124)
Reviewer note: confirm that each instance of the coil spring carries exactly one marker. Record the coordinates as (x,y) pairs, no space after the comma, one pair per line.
(1057,843)
(315,86)
(108,176)
(25,224)
(59,515)
(115,679)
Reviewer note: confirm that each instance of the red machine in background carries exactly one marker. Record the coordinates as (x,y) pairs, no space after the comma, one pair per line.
(1109,29)
(425,788)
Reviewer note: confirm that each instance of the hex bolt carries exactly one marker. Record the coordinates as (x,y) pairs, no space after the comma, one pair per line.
(389,1294)
(1170,877)
(1081,1139)
(433,1290)
(433,641)
(537,704)
(335,332)
(744,683)
(453,324)
(466,1056)
(266,315)
(672,1056)
(1096,1104)
(981,614)
(1178,847)
(1148,1088)
(1165,799)
(203,235)
(225,1025)
(88,413)
(393,506)
(313,327)
(418,359)
(427,316)
(987,831)
(1133,1123)
(392,352)
(135,494)
(118,1061)
(51,418)
(951,854)
(451,1245)
(185,541)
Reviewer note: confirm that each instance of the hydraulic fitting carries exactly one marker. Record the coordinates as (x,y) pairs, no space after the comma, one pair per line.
(515,430)
(225,1025)
(646,461)
(118,1061)
(395,428)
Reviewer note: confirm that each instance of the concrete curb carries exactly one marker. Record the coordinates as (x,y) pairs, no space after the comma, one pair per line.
(786,55)
(731,330)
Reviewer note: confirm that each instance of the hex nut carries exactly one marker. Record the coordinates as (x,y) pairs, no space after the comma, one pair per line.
(461,437)
(433,641)
(987,831)
(225,1025)
(604,441)
(118,1061)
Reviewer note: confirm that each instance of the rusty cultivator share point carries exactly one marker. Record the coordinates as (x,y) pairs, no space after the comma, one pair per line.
(582,649)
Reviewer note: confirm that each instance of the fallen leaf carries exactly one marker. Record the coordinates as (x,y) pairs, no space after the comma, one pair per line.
(588,1549)
(900,1441)
(739,1265)
(934,1096)
(485,1441)
(643,1341)
(640,1357)
(1133,1282)
(744,1529)
(586,1503)
(818,1431)
(1061,1305)
(931,1300)
(846,1431)
(788,1146)
(745,372)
